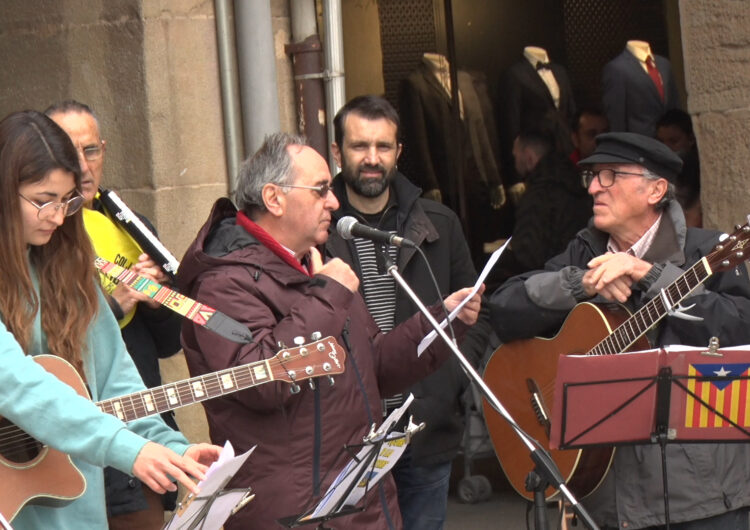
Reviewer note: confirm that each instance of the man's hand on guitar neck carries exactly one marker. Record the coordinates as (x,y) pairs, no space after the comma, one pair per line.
(155,464)
(127,297)
(611,275)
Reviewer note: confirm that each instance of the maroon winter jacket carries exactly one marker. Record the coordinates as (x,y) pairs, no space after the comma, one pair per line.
(299,436)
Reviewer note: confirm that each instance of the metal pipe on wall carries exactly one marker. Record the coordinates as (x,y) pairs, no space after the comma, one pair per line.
(307,63)
(230,95)
(334,61)
(257,68)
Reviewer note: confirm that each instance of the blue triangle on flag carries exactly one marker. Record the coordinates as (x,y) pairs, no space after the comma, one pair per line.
(728,372)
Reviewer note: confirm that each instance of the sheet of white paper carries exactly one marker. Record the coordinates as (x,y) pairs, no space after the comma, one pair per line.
(432,335)
(361,468)
(222,505)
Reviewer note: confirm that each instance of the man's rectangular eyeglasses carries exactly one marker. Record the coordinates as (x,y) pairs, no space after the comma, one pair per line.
(321,190)
(49,209)
(92,152)
(606,177)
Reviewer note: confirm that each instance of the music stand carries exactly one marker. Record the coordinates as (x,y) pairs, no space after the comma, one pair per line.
(214,504)
(675,394)
(374,458)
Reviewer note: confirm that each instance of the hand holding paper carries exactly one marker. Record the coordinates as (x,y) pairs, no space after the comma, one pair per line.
(487,268)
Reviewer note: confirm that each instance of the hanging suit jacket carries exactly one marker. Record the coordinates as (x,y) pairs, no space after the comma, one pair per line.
(630,97)
(431,142)
(525,102)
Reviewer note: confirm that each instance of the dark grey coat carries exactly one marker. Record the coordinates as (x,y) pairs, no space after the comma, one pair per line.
(704,479)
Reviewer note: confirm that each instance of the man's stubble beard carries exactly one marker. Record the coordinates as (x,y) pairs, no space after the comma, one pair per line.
(369,188)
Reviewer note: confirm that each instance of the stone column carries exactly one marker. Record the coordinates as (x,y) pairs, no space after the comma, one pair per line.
(716,44)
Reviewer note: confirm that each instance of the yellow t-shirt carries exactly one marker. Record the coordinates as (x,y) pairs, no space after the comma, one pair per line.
(113,244)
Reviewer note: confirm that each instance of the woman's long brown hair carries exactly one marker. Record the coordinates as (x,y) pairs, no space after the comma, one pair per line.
(31,146)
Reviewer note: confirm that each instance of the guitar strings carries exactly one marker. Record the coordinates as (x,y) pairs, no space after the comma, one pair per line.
(211,385)
(17,442)
(620,339)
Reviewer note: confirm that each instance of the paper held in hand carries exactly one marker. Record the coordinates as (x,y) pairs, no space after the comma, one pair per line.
(432,335)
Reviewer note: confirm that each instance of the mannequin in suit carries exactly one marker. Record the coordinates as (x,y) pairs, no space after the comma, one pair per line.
(534,94)
(431,145)
(631,98)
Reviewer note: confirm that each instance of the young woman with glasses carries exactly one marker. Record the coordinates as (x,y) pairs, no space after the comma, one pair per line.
(50,302)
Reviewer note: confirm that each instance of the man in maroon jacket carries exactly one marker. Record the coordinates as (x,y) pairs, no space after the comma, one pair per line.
(260,266)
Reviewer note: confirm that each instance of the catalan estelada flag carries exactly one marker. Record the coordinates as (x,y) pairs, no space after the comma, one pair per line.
(727,394)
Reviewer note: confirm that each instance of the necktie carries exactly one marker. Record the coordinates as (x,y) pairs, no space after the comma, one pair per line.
(542,66)
(655,76)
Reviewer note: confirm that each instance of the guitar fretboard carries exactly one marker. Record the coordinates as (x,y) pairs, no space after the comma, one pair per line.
(641,321)
(174,395)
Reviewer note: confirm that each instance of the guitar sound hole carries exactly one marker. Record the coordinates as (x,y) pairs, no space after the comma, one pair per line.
(15,445)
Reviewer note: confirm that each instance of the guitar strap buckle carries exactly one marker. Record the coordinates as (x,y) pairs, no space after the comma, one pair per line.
(676,310)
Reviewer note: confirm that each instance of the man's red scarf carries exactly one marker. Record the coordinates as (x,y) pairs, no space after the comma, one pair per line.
(269,242)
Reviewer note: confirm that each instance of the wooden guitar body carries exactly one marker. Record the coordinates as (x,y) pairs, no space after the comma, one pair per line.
(522,376)
(33,473)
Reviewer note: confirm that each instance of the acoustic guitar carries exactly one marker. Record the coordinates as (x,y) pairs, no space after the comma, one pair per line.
(522,373)
(34,473)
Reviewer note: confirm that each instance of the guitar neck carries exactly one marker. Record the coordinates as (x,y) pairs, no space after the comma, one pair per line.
(657,308)
(175,395)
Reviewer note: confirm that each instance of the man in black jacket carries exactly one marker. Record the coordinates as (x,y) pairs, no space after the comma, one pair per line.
(371,189)
(554,207)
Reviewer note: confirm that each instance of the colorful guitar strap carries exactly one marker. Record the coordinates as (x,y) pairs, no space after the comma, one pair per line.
(201,314)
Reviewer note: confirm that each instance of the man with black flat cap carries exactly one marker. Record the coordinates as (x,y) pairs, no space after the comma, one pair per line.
(636,244)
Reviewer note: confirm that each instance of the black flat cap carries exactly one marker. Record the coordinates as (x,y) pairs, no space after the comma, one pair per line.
(632,148)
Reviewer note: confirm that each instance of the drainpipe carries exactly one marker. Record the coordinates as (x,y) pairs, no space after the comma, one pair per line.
(334,61)
(230,95)
(257,67)
(307,64)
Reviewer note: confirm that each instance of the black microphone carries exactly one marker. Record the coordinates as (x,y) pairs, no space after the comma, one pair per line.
(349,228)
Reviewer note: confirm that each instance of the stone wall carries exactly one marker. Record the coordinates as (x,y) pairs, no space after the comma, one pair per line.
(149,70)
(716,45)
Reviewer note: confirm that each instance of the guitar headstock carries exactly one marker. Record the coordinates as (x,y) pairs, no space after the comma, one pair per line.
(732,250)
(322,357)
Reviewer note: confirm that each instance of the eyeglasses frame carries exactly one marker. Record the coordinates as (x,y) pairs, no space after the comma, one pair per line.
(99,150)
(56,205)
(323,190)
(596,174)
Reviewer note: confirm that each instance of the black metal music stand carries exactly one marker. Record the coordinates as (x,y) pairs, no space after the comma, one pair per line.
(360,470)
(656,397)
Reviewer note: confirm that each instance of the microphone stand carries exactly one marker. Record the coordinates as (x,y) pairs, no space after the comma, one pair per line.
(545,466)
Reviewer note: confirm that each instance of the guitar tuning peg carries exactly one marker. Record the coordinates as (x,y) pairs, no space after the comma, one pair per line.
(299,340)
(311,383)
(331,380)
(316,335)
(294,389)
(280,344)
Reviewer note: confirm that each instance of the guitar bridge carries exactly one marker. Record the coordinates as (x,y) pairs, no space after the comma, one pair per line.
(537,404)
